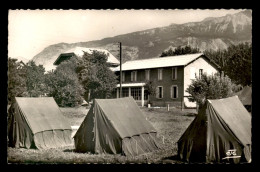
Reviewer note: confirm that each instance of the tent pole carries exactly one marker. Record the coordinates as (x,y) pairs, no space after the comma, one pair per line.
(120,54)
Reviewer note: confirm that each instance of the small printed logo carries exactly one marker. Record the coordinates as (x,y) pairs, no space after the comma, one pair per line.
(232,153)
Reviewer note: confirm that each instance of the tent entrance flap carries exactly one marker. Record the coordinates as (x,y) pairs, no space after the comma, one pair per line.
(117,127)
(192,144)
(221,125)
(140,144)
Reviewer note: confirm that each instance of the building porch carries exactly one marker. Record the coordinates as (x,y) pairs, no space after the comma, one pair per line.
(136,90)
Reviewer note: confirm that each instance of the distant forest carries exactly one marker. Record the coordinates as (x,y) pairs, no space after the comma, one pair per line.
(235,61)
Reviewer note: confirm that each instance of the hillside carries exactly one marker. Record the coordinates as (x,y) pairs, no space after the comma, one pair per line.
(211,33)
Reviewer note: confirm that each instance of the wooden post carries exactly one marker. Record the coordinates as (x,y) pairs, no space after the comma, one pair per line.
(182,103)
(120,53)
(117,93)
(163,139)
(142,96)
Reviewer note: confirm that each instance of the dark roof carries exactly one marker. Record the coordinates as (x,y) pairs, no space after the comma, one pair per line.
(79,51)
(62,57)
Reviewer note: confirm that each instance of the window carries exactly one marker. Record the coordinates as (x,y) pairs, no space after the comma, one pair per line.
(136,93)
(125,92)
(192,73)
(134,76)
(123,76)
(200,73)
(147,75)
(174,73)
(174,92)
(159,92)
(160,74)
(145,94)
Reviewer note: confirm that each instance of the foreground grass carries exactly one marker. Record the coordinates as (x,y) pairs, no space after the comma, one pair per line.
(170,125)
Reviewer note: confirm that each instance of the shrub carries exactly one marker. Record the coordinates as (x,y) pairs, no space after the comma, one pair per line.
(211,87)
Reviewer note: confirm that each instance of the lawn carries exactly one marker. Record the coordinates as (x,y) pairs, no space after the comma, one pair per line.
(170,125)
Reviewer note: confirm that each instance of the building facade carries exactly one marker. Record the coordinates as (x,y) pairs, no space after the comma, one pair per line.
(169,76)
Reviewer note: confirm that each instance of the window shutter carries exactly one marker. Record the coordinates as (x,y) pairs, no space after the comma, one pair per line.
(172,91)
(200,73)
(160,74)
(176,92)
(147,75)
(162,92)
(123,76)
(174,73)
(157,92)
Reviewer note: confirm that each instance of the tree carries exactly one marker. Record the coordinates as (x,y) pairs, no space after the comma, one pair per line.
(96,77)
(16,79)
(180,51)
(236,62)
(219,57)
(35,79)
(239,63)
(151,88)
(63,84)
(211,87)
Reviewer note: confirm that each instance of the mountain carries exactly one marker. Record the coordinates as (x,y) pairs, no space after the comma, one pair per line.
(211,33)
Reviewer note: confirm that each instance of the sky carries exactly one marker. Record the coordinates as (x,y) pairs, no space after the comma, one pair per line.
(30,31)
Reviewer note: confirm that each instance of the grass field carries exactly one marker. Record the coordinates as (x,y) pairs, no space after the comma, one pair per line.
(170,125)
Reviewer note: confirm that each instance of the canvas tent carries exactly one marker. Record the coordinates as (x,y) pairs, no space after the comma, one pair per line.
(245,96)
(222,127)
(116,126)
(37,123)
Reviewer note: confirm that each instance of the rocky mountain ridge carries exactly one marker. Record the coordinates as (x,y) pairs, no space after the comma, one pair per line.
(211,33)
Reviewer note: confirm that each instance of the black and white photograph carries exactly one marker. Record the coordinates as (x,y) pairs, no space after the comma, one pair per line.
(129,86)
